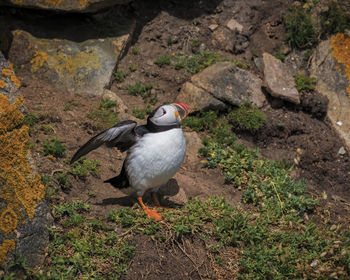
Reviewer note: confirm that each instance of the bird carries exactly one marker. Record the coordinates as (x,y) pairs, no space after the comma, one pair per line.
(155,152)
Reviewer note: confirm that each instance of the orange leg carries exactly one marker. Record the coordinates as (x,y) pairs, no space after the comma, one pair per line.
(156,201)
(151,213)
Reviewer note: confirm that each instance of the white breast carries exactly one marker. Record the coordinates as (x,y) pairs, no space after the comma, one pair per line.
(155,159)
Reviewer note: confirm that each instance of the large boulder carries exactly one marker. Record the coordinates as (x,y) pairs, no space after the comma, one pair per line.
(279,80)
(65,5)
(85,67)
(24,214)
(221,84)
(331,65)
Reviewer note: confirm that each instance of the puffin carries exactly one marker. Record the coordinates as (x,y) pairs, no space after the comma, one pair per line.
(155,152)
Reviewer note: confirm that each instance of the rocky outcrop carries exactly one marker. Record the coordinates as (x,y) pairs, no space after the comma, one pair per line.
(24,215)
(85,67)
(65,5)
(220,84)
(331,64)
(278,79)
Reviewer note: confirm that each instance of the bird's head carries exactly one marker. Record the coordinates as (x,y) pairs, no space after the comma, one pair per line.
(169,115)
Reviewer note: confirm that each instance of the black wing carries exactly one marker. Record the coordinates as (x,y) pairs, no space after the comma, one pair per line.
(122,136)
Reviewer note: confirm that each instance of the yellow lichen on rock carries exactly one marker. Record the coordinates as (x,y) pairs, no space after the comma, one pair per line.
(20,187)
(2,84)
(38,60)
(6,246)
(341,52)
(6,71)
(56,3)
(83,3)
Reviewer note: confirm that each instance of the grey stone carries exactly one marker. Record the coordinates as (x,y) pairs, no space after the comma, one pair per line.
(342,151)
(66,5)
(234,25)
(278,79)
(84,68)
(332,82)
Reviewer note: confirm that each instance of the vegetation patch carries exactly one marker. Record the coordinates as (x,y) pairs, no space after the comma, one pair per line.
(70,105)
(54,147)
(84,167)
(138,89)
(142,113)
(334,20)
(120,76)
(105,114)
(305,83)
(300,29)
(247,117)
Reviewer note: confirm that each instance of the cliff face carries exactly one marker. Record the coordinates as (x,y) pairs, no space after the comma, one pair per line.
(23,213)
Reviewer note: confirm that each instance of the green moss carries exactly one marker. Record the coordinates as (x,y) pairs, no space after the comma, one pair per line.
(163,60)
(248,117)
(47,129)
(31,119)
(300,29)
(83,167)
(120,76)
(135,51)
(132,68)
(138,89)
(54,148)
(105,114)
(142,113)
(305,83)
(334,20)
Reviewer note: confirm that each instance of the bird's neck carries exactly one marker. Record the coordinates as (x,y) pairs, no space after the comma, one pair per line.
(152,127)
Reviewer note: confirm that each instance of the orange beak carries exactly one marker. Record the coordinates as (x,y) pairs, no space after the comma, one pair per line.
(183,109)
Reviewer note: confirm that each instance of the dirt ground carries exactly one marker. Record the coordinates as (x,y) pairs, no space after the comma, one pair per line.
(291,134)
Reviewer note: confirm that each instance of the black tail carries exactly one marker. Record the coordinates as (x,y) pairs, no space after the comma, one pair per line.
(121,181)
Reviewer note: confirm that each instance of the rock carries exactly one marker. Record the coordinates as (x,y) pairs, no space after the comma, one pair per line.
(85,67)
(278,80)
(220,84)
(66,5)
(230,84)
(234,25)
(198,98)
(24,214)
(333,83)
(213,27)
(342,151)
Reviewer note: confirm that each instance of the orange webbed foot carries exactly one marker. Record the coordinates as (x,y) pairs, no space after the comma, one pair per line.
(153,214)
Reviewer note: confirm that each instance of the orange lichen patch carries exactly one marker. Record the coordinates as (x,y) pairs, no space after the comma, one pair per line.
(20,187)
(56,3)
(2,84)
(341,52)
(10,116)
(38,60)
(15,81)
(6,246)
(10,65)
(8,220)
(6,71)
(83,3)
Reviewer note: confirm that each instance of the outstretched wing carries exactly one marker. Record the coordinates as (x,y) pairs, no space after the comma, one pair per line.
(122,136)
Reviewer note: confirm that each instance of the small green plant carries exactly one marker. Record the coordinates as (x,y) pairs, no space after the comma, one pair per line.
(135,51)
(45,179)
(132,68)
(53,147)
(63,181)
(304,83)
(255,53)
(120,76)
(83,167)
(31,119)
(70,105)
(105,114)
(142,113)
(334,20)
(163,60)
(138,89)
(300,30)
(247,117)
(47,129)
(280,56)
(195,43)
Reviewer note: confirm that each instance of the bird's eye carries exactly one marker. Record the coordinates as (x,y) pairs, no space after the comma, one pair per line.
(164,112)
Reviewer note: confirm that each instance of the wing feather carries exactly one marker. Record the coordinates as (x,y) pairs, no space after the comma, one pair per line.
(122,135)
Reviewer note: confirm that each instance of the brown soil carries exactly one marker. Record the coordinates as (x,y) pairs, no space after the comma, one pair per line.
(287,130)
